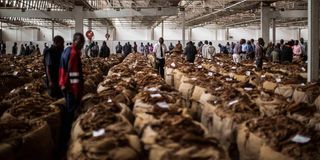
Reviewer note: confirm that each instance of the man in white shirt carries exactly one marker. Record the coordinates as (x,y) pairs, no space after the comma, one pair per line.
(204,49)
(159,50)
(211,51)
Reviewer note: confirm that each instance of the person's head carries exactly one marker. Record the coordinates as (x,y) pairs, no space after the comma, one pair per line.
(171,44)
(78,40)
(15,43)
(281,41)
(45,44)
(301,40)
(242,41)
(270,44)
(249,42)
(219,45)
(190,43)
(25,44)
(128,43)
(178,42)
(30,43)
(252,41)
(37,46)
(22,45)
(206,42)
(104,43)
(296,42)
(210,43)
(228,43)
(141,44)
(96,43)
(160,40)
(119,43)
(277,46)
(261,41)
(134,43)
(148,43)
(58,41)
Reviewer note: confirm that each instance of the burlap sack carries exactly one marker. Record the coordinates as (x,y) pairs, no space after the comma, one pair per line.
(267,153)
(284,90)
(241,78)
(268,85)
(177,75)
(142,120)
(186,89)
(36,144)
(122,125)
(104,148)
(141,107)
(197,92)
(205,97)
(196,110)
(207,117)
(317,103)
(168,76)
(224,129)
(300,96)
(53,120)
(248,144)
(270,108)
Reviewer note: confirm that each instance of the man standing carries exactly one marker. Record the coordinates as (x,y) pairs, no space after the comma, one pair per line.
(171,47)
(159,50)
(71,82)
(135,47)
(146,49)
(2,47)
(211,51)
(259,53)
(237,51)
(119,48)
(22,50)
(51,60)
(204,49)
(190,52)
(104,50)
(304,48)
(15,49)
(46,48)
(179,47)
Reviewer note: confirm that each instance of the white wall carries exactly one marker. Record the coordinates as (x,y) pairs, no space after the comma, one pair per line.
(20,34)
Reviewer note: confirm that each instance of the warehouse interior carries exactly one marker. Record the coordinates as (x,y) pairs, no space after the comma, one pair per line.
(159,79)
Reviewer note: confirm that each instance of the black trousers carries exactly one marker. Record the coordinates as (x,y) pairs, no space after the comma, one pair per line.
(259,63)
(160,66)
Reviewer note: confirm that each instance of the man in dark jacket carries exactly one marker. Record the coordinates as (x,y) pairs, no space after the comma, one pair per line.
(259,53)
(104,50)
(51,62)
(287,53)
(3,47)
(190,52)
(119,48)
(15,49)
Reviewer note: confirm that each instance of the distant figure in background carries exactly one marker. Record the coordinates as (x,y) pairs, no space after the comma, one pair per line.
(232,48)
(159,50)
(97,49)
(119,48)
(190,52)
(135,47)
(200,45)
(223,49)
(179,46)
(31,47)
(204,49)
(249,50)
(151,48)
(146,49)
(15,49)
(287,53)
(46,48)
(51,62)
(22,50)
(71,82)
(282,44)
(269,50)
(104,50)
(171,47)
(3,47)
(228,46)
(244,47)
(259,53)
(211,51)
(276,54)
(86,51)
(28,51)
(37,50)
(297,51)
(237,51)
(141,48)
(124,48)
(304,48)
(129,48)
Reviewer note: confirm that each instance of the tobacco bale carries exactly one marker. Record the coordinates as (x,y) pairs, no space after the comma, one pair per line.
(25,140)
(307,93)
(272,104)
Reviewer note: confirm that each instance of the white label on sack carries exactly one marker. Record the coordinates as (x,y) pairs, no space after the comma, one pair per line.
(278,80)
(228,79)
(233,102)
(210,74)
(302,84)
(163,105)
(11,65)
(157,95)
(93,114)
(152,89)
(200,66)
(221,64)
(231,74)
(215,102)
(219,88)
(303,69)
(12,90)
(248,89)
(233,67)
(109,100)
(15,73)
(173,65)
(263,76)
(98,133)
(248,73)
(218,63)
(26,87)
(29,70)
(193,78)
(300,139)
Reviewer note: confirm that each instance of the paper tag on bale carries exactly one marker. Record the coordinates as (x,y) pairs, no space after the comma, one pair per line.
(233,67)
(200,66)
(219,89)
(157,95)
(173,65)
(163,105)
(233,102)
(152,89)
(303,69)
(278,80)
(228,79)
(193,78)
(248,73)
(109,100)
(210,74)
(300,139)
(98,133)
(248,89)
(15,73)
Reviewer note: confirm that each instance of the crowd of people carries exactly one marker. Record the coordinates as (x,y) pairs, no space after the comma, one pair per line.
(93,50)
